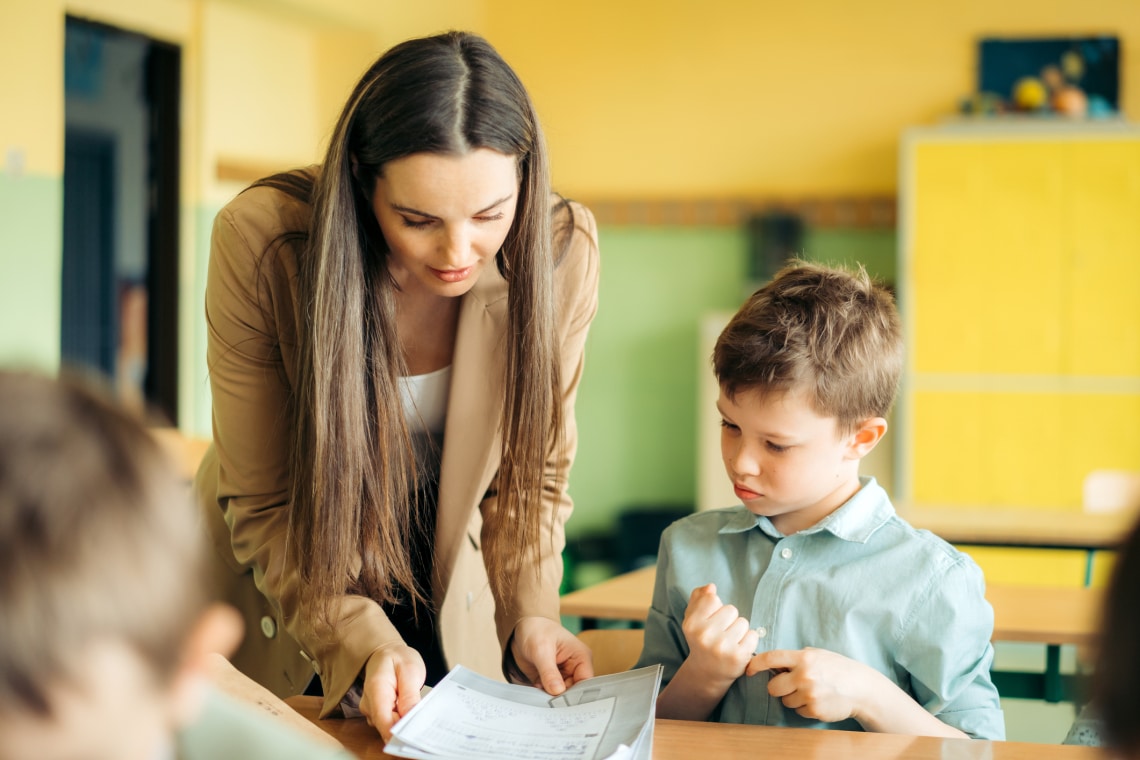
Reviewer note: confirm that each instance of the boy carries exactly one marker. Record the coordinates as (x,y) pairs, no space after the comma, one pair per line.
(105,630)
(814,604)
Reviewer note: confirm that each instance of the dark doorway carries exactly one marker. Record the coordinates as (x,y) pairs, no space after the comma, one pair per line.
(89,325)
(121,201)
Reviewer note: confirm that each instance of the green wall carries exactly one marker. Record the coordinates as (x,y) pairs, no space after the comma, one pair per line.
(637,405)
(31,250)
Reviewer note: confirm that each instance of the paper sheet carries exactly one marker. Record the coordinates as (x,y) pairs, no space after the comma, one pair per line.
(475,718)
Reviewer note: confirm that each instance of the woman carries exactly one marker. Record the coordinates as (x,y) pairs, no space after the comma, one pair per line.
(395,343)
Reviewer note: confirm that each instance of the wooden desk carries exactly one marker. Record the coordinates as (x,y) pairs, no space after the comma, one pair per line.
(1026,529)
(623,597)
(1050,616)
(1038,615)
(1022,527)
(682,740)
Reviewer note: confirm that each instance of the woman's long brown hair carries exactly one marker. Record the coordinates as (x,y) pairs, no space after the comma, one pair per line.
(353,465)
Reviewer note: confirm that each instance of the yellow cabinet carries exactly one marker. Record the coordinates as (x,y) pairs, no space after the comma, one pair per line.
(1020,293)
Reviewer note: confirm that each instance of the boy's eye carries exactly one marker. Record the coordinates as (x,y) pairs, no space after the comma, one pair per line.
(775,448)
(728,425)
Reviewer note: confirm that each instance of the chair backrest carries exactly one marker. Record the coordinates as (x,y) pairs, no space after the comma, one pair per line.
(1111,491)
(615,649)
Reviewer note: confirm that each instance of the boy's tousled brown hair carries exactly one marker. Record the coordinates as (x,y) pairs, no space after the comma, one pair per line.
(98,539)
(830,332)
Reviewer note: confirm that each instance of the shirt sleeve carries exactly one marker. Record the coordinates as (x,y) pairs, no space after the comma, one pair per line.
(665,643)
(946,650)
(227,728)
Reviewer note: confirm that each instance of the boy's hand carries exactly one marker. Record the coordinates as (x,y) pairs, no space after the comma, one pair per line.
(720,641)
(816,683)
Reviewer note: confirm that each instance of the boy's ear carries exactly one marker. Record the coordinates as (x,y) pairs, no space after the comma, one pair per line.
(217,632)
(867,436)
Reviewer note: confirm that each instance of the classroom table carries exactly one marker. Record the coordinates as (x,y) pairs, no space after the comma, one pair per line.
(683,740)
(1050,616)
(1029,528)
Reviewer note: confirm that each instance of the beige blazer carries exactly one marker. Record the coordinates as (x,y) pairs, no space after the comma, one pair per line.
(252,317)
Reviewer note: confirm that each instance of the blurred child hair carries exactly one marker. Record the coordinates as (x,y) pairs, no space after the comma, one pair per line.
(97,541)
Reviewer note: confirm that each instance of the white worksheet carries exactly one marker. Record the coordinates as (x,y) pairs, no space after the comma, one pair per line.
(463,722)
(471,717)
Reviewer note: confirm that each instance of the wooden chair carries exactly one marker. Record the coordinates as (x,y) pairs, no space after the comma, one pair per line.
(615,649)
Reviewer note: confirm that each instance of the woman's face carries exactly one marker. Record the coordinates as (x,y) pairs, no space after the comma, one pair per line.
(445,217)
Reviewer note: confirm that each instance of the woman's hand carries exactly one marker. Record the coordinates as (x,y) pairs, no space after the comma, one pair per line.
(393,677)
(551,658)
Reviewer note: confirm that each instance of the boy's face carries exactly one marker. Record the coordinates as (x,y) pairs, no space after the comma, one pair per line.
(115,712)
(785,461)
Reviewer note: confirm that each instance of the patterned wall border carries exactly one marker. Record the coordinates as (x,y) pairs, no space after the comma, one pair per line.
(839,212)
(859,212)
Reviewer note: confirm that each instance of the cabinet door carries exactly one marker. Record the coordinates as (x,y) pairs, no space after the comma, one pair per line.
(1022,306)
(986,265)
(1102,217)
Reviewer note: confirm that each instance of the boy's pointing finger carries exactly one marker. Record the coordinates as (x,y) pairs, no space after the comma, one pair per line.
(773,659)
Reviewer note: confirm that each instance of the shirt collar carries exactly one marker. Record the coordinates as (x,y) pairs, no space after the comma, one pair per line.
(858,518)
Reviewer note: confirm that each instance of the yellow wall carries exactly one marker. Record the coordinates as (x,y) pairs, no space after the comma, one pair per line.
(745,97)
(639,98)
(36,92)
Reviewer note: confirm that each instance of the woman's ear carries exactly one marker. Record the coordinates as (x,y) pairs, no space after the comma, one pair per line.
(866,436)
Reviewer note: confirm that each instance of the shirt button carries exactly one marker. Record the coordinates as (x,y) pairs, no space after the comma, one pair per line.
(762,632)
(268,627)
(786,553)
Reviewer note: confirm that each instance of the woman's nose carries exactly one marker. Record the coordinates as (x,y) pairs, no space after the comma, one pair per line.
(457,245)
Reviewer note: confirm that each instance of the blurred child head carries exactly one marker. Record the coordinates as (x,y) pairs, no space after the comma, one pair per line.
(103,613)
(808,369)
(1116,679)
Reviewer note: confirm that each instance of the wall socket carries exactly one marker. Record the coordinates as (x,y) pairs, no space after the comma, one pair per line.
(15,159)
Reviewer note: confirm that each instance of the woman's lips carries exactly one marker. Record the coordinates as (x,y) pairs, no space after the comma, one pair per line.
(452,275)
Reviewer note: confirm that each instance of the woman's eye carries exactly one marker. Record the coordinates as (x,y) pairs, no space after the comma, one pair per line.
(492,218)
(415,224)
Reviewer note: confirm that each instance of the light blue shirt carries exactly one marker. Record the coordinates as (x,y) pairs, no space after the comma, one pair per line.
(862,582)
